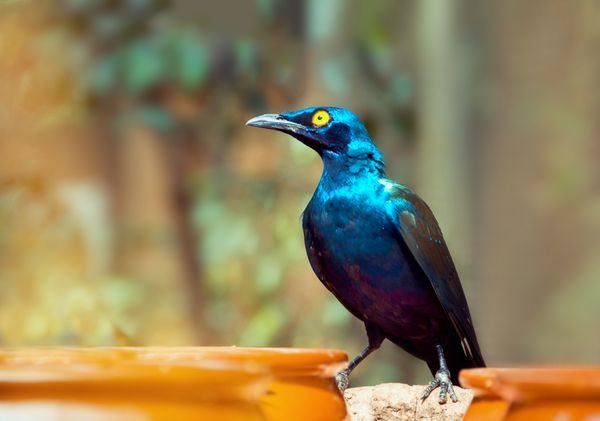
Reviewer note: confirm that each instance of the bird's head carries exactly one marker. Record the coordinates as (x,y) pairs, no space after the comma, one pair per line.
(324,129)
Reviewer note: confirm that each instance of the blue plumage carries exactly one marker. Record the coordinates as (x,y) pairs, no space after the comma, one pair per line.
(378,248)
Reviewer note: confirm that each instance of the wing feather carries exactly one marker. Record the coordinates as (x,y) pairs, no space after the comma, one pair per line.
(420,231)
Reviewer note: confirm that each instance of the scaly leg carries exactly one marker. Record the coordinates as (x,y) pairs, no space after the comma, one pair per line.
(441,380)
(375,339)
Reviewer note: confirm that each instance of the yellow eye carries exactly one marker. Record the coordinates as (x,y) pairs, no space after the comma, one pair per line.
(320,118)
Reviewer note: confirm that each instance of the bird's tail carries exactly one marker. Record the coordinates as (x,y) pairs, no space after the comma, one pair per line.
(457,359)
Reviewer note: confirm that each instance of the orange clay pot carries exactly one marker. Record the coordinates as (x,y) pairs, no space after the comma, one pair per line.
(170,384)
(529,394)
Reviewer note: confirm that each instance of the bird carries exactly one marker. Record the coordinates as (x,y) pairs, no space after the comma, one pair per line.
(376,245)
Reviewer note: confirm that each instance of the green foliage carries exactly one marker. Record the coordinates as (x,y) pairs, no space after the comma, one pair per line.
(191,59)
(334,314)
(180,58)
(262,328)
(142,66)
(269,275)
(151,116)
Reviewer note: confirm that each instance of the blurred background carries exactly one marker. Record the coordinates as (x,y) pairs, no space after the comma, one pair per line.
(137,209)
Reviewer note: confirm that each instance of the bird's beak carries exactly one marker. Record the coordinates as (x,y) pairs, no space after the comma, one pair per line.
(276,122)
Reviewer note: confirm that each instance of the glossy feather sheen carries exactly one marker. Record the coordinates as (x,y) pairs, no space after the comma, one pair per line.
(378,248)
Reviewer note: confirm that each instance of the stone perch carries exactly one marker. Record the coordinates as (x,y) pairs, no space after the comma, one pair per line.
(395,401)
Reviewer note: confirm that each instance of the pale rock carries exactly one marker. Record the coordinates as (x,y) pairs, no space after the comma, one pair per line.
(395,401)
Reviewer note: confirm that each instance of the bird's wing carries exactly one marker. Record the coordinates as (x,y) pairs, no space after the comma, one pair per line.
(420,232)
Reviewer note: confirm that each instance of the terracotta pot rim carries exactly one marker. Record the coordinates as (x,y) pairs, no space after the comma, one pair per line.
(277,361)
(534,383)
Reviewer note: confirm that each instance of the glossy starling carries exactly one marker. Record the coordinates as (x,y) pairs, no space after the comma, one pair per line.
(377,247)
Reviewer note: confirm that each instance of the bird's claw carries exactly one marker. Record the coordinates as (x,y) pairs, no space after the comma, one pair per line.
(441,380)
(341,379)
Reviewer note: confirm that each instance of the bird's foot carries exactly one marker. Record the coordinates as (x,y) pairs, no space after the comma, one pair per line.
(441,380)
(341,379)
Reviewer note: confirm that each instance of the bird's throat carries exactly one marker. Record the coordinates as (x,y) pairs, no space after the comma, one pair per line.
(352,171)
(341,169)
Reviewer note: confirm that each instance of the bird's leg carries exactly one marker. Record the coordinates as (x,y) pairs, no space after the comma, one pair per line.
(441,380)
(341,378)
(375,339)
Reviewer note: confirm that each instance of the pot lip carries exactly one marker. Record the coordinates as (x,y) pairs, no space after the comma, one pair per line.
(85,380)
(243,352)
(278,362)
(534,383)
(282,362)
